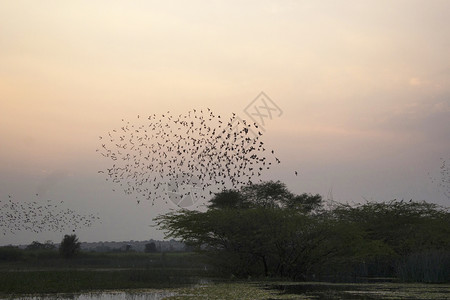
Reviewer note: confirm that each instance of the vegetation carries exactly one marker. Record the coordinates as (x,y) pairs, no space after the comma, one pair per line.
(10,253)
(48,272)
(151,247)
(64,281)
(70,246)
(265,230)
(39,246)
(51,260)
(40,271)
(311,290)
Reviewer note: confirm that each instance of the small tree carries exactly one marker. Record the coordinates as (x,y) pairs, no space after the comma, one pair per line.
(69,246)
(150,247)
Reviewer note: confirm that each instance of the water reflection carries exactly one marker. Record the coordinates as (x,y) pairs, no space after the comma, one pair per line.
(138,295)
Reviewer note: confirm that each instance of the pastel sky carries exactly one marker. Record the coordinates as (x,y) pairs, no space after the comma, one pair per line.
(364,89)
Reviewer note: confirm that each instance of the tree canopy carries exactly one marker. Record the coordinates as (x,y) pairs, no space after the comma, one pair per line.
(265,230)
(69,246)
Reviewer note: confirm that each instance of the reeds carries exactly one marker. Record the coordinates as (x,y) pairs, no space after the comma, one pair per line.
(432,266)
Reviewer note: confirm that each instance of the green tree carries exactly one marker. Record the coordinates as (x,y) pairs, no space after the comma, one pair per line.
(70,246)
(396,230)
(228,199)
(261,229)
(405,227)
(35,245)
(150,247)
(267,194)
(264,229)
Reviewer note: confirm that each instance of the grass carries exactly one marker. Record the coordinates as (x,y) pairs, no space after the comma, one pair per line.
(43,272)
(37,260)
(37,272)
(61,281)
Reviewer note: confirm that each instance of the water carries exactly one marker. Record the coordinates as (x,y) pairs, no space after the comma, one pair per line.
(114,295)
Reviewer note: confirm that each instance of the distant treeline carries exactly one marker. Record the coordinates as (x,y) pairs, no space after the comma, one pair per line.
(265,230)
(123,246)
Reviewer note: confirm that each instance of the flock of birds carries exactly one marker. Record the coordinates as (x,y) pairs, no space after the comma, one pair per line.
(181,159)
(156,157)
(37,216)
(443,182)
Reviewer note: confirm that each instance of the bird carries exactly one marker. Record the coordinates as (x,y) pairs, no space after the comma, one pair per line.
(26,215)
(195,149)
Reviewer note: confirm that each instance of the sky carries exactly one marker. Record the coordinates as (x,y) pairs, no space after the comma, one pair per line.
(362,91)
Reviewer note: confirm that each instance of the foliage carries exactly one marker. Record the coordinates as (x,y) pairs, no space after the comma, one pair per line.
(267,195)
(64,281)
(39,246)
(95,271)
(265,230)
(150,248)
(10,253)
(405,227)
(70,246)
(432,266)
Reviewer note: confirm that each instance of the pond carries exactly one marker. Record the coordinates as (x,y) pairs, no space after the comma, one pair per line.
(112,295)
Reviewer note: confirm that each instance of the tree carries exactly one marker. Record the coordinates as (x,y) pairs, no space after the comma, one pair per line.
(265,230)
(269,194)
(404,227)
(228,199)
(35,245)
(150,247)
(70,246)
(395,230)
(261,229)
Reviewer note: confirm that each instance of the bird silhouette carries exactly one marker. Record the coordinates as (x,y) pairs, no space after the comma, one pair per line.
(200,151)
(40,216)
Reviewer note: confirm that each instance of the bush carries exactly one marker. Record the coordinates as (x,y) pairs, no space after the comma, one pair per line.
(10,253)
(69,246)
(150,248)
(39,246)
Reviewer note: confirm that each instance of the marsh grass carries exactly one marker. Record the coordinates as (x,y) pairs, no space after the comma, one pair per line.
(60,281)
(46,272)
(10,254)
(427,267)
(50,259)
(43,272)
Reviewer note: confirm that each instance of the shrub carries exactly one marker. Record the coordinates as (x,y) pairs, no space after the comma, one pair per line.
(10,253)
(69,246)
